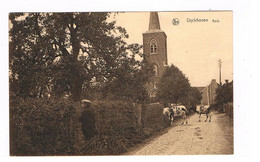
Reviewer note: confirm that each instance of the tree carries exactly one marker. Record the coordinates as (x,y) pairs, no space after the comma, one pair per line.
(173,86)
(126,82)
(28,56)
(224,93)
(62,53)
(129,83)
(194,97)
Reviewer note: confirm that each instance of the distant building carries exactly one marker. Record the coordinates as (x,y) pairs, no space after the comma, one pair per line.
(200,88)
(155,51)
(208,93)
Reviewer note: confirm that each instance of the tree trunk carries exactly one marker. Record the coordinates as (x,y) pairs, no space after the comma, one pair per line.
(77,80)
(76,87)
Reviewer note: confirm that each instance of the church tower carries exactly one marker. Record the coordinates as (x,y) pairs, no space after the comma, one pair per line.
(155,51)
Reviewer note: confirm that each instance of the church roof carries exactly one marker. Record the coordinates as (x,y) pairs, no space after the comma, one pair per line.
(154,21)
(154,31)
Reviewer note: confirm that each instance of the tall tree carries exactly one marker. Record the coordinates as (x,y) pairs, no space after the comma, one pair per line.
(89,46)
(224,93)
(65,52)
(129,81)
(173,85)
(194,97)
(29,54)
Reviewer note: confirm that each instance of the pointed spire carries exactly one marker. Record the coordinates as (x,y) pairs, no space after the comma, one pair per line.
(154,21)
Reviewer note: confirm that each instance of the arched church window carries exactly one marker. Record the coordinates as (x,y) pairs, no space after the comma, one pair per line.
(153,93)
(154,85)
(155,69)
(153,46)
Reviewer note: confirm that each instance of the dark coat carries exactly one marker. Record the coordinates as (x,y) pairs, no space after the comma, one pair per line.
(88,120)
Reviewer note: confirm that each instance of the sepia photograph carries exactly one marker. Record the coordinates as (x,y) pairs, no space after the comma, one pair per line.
(121,83)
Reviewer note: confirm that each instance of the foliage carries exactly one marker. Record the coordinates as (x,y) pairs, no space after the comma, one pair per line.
(50,127)
(173,85)
(153,119)
(129,85)
(117,128)
(27,56)
(224,93)
(229,109)
(194,97)
(63,53)
(42,127)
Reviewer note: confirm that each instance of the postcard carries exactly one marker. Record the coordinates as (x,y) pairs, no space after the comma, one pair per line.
(121,83)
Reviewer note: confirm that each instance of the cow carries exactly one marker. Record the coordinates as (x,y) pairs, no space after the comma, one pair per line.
(184,115)
(169,112)
(207,110)
(181,110)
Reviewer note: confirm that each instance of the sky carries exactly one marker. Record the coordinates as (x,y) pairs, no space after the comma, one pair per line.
(194,47)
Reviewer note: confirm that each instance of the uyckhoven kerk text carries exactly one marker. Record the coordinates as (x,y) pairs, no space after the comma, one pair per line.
(191,20)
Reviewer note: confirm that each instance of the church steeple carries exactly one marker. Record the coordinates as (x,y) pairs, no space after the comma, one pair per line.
(154,21)
(155,52)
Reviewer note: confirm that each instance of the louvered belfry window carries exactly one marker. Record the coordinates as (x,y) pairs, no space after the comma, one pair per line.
(153,45)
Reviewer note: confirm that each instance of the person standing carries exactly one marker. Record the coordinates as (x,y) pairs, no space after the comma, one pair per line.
(88,120)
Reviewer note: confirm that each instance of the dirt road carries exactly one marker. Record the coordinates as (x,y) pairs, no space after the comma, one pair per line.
(196,137)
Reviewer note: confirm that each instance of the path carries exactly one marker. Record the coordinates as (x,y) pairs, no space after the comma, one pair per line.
(196,137)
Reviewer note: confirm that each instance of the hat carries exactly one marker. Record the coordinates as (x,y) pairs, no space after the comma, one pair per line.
(85,101)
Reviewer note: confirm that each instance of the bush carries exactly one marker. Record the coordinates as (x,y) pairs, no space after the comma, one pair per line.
(117,128)
(229,109)
(42,127)
(52,127)
(153,119)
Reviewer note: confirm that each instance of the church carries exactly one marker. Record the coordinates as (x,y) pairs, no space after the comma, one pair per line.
(155,51)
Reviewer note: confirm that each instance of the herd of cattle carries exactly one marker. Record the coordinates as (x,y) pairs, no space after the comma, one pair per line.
(179,110)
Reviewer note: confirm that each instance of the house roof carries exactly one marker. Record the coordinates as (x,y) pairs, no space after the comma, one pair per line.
(200,88)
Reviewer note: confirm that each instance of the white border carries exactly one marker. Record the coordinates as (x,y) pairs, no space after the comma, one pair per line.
(246,65)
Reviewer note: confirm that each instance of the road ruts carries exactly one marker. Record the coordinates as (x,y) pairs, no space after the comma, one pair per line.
(215,137)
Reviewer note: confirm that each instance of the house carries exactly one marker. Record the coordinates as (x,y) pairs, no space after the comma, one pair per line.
(208,93)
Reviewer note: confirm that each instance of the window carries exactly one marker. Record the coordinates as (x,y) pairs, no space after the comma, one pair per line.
(153,46)
(155,69)
(164,63)
(154,85)
(153,93)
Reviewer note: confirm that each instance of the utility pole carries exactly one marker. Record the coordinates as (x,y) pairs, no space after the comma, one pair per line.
(219,65)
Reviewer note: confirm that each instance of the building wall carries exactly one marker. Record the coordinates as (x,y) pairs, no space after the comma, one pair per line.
(204,94)
(209,93)
(212,91)
(159,59)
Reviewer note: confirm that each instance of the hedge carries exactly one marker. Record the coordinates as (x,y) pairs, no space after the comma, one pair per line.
(52,127)
(42,127)
(229,109)
(117,128)
(153,119)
